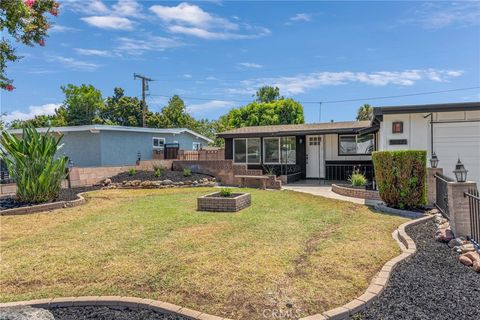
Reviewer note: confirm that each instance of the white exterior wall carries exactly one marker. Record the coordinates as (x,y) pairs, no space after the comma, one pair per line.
(331,150)
(460,138)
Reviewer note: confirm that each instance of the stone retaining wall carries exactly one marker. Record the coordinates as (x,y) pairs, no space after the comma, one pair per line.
(44,207)
(223,204)
(356,192)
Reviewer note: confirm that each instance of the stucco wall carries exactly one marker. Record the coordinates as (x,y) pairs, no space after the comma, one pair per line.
(82,147)
(456,134)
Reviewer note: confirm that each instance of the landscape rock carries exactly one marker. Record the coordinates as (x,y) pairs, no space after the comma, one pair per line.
(444,235)
(456,242)
(476,266)
(467,247)
(167,182)
(465,260)
(472,255)
(25,313)
(136,183)
(107,182)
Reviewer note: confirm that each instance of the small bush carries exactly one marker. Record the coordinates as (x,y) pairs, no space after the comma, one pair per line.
(132,172)
(401,177)
(357,179)
(187,172)
(226,192)
(158,172)
(269,170)
(157,165)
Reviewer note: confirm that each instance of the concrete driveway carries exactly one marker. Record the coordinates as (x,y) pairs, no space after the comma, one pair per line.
(324,189)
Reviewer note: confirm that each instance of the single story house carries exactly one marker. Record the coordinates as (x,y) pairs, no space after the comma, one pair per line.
(103,145)
(333,150)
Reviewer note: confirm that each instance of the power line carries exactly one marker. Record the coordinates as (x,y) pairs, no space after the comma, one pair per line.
(145,81)
(333,101)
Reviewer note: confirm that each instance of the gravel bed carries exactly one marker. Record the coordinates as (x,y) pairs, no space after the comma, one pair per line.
(9,202)
(175,176)
(110,313)
(432,284)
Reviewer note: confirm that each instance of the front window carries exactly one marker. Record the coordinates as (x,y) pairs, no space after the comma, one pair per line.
(158,143)
(196,146)
(289,150)
(246,150)
(272,150)
(355,144)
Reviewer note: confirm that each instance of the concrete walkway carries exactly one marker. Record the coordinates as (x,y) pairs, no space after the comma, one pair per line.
(324,189)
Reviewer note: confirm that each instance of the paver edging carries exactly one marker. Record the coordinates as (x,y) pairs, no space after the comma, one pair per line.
(380,281)
(130,302)
(45,206)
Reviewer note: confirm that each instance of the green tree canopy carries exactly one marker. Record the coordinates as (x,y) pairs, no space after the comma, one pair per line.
(121,110)
(25,21)
(365,112)
(267,94)
(82,104)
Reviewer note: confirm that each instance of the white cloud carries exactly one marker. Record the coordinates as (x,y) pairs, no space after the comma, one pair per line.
(187,76)
(57,28)
(303,82)
(209,105)
(189,19)
(74,64)
(128,8)
(301,17)
(46,109)
(139,46)
(210,78)
(443,14)
(86,6)
(109,22)
(250,65)
(92,52)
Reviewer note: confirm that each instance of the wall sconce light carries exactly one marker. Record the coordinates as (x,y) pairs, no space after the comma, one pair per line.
(460,172)
(434,161)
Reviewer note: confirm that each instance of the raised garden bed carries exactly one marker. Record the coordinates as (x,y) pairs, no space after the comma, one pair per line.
(175,176)
(355,192)
(217,203)
(66,198)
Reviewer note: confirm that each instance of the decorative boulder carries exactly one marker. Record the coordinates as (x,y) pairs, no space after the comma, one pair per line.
(476,266)
(136,183)
(472,255)
(465,260)
(107,182)
(444,235)
(167,182)
(467,247)
(456,242)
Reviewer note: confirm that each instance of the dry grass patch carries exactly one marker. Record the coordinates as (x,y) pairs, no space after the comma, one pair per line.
(287,247)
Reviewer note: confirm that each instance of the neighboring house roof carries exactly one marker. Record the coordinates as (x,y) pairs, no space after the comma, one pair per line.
(297,129)
(423,108)
(97,128)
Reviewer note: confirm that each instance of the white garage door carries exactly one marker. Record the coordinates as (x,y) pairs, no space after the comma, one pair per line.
(453,140)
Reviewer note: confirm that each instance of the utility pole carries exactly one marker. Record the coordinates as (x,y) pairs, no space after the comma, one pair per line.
(145,81)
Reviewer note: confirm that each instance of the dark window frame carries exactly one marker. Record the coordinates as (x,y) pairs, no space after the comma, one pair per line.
(354,154)
(394,124)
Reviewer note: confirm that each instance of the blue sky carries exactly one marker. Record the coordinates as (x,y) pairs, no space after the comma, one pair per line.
(215,54)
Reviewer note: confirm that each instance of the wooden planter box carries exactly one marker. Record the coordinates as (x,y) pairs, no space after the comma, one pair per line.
(216,203)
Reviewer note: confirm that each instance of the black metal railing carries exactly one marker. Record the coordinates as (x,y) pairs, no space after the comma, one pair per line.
(342,172)
(5,177)
(474,205)
(441,200)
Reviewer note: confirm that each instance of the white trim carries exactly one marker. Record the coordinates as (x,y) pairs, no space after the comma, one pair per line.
(98,127)
(199,144)
(158,147)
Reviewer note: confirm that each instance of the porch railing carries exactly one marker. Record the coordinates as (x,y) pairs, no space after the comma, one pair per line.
(5,177)
(474,205)
(342,172)
(441,200)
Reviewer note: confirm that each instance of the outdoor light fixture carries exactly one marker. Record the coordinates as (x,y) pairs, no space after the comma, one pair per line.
(70,164)
(460,172)
(139,156)
(434,161)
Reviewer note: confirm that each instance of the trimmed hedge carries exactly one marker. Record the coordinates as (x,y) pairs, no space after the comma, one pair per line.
(401,177)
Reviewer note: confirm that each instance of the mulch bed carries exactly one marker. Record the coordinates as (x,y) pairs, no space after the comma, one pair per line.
(432,284)
(110,313)
(9,202)
(175,176)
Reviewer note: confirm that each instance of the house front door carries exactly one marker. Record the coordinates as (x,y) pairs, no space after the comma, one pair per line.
(315,167)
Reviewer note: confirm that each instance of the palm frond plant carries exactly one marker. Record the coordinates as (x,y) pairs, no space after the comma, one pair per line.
(31,162)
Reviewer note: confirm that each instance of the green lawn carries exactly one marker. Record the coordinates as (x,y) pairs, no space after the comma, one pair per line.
(314,252)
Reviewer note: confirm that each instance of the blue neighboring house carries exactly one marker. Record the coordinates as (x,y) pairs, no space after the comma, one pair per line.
(102,145)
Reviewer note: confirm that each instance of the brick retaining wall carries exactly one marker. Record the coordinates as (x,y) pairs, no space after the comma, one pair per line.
(356,192)
(223,204)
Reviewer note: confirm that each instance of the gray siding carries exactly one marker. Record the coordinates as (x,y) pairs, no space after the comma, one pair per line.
(82,147)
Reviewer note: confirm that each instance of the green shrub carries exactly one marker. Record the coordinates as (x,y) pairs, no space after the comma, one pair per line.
(157,165)
(158,172)
(31,162)
(401,177)
(226,192)
(132,172)
(269,170)
(187,172)
(357,179)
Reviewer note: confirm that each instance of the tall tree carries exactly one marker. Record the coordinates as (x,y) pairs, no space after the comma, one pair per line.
(175,114)
(121,110)
(267,94)
(82,104)
(26,22)
(365,112)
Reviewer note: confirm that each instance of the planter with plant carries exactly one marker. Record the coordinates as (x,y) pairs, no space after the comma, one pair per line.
(31,162)
(224,201)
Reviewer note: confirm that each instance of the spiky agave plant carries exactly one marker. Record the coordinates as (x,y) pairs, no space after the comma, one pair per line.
(31,162)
